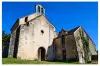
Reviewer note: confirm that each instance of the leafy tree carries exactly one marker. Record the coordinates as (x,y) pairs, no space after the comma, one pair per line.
(4,38)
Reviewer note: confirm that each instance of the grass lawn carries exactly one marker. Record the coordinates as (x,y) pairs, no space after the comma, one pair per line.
(19,61)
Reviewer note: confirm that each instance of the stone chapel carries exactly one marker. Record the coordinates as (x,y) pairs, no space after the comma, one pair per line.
(34,37)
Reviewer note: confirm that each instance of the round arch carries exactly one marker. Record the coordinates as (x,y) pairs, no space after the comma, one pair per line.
(41,53)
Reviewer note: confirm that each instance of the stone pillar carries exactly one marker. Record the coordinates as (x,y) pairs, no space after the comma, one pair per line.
(81,58)
(11,45)
(90,56)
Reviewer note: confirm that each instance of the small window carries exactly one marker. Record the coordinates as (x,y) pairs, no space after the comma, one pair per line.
(39,9)
(63,39)
(42,31)
(26,19)
(42,10)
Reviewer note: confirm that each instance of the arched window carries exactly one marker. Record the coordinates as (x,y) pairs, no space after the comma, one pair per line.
(39,9)
(42,10)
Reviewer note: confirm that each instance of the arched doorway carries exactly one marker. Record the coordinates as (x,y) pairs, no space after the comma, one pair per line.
(41,54)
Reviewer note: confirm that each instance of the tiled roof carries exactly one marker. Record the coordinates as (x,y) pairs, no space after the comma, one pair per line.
(73,30)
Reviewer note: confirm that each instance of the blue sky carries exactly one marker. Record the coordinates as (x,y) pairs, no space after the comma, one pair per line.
(67,15)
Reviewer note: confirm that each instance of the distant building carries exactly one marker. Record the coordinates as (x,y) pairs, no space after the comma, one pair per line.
(34,37)
(74,45)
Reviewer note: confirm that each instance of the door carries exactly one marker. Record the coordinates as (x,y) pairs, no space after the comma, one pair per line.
(41,54)
(64,55)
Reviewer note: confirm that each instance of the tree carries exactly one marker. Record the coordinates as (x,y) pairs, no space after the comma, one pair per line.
(5,37)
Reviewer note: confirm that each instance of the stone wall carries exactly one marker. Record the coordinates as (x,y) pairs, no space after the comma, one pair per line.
(79,45)
(71,51)
(58,49)
(31,38)
(92,47)
(70,47)
(11,44)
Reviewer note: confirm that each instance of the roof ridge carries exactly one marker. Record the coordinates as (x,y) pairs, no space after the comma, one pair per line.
(73,30)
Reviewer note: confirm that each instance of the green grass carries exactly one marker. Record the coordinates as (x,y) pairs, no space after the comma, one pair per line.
(19,61)
(94,62)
